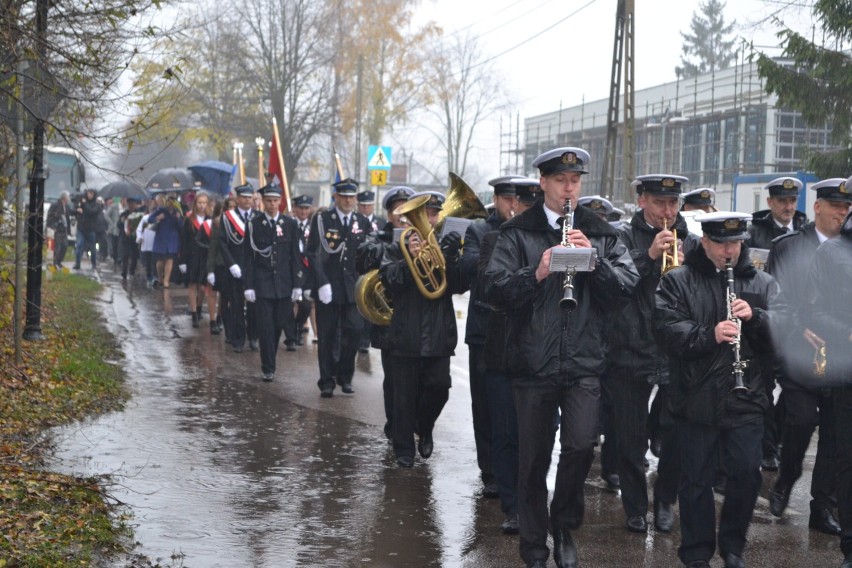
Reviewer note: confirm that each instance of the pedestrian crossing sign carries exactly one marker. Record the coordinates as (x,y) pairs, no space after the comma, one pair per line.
(378,177)
(378,157)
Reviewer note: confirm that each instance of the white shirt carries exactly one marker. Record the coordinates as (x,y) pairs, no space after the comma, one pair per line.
(822,238)
(272,220)
(244,213)
(552,218)
(789,227)
(345,218)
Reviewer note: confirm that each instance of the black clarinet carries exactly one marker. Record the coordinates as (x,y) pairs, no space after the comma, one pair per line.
(568,302)
(739,364)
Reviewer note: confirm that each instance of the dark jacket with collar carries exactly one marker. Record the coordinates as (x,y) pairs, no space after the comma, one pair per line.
(690,302)
(233,244)
(477,310)
(545,343)
(273,267)
(764,230)
(830,316)
(634,351)
(332,266)
(790,260)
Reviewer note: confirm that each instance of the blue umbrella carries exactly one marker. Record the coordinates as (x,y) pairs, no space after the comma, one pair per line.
(215,175)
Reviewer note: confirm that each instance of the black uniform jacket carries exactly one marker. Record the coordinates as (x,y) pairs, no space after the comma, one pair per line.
(334,267)
(831,314)
(419,327)
(544,342)
(763,229)
(274,266)
(233,244)
(790,261)
(189,239)
(690,302)
(496,322)
(477,310)
(634,352)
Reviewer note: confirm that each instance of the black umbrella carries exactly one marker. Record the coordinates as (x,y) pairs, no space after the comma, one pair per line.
(173,179)
(124,188)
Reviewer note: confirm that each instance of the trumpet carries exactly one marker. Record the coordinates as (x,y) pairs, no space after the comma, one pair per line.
(670,259)
(739,365)
(568,302)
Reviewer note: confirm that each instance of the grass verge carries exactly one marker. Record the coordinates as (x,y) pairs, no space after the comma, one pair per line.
(48,519)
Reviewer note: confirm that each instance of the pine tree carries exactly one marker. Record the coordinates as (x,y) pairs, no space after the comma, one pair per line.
(708,46)
(817,81)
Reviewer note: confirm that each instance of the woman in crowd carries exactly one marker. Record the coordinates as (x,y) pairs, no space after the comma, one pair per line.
(168,219)
(194,242)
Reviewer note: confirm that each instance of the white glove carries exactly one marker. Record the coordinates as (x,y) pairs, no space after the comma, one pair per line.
(325,293)
(140,240)
(296,296)
(211,278)
(249,294)
(306,294)
(182,268)
(235,271)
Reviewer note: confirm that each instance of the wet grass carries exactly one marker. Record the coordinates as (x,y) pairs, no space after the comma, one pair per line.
(48,519)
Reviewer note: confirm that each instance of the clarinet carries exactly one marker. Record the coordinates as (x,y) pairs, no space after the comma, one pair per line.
(568,302)
(739,364)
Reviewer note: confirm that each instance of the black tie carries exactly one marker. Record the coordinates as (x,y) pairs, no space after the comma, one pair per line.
(346,221)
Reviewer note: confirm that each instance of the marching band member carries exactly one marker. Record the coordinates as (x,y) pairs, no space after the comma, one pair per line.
(555,356)
(805,403)
(302,213)
(637,362)
(274,274)
(334,240)
(701,199)
(239,318)
(715,400)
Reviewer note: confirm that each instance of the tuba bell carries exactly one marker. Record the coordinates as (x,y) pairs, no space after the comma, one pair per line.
(371,299)
(461,202)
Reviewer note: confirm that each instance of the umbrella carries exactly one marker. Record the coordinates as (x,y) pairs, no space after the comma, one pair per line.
(215,175)
(173,179)
(124,188)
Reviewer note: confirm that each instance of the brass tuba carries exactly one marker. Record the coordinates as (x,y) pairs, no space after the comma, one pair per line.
(461,202)
(371,299)
(428,268)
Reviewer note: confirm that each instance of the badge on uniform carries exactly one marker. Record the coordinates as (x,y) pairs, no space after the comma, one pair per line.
(355,228)
(278,231)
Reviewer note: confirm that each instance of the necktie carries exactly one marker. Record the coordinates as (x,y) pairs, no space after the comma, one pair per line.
(346,221)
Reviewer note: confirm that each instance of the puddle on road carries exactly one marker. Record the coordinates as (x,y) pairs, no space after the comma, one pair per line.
(227,474)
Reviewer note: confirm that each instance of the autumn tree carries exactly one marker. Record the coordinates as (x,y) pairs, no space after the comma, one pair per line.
(708,46)
(817,81)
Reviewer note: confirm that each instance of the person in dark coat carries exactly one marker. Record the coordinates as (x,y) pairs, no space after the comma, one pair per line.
(128,222)
(692,320)
(555,357)
(169,219)
(370,255)
(240,319)
(193,254)
(504,201)
(59,221)
(767,225)
(88,211)
(421,338)
(831,319)
(637,361)
(367,208)
(274,274)
(806,403)
(302,213)
(332,246)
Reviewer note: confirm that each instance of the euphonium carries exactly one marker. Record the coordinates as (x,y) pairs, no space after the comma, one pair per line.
(371,299)
(670,259)
(429,267)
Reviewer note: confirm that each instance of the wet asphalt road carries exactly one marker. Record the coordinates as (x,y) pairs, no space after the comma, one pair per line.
(223,470)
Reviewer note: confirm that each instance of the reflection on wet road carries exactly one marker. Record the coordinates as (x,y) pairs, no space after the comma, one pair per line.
(224,470)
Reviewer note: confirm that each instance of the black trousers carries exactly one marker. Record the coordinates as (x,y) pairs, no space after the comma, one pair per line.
(303,313)
(536,404)
(773,419)
(60,248)
(331,320)
(273,317)
(609,448)
(421,388)
(387,392)
(700,453)
(803,412)
(843,463)
(129,255)
(479,408)
(630,412)
(504,438)
(240,318)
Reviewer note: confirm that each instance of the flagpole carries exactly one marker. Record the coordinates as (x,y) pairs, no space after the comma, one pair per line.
(337,164)
(261,179)
(284,185)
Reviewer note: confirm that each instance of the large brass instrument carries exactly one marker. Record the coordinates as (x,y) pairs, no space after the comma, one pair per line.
(670,259)
(428,268)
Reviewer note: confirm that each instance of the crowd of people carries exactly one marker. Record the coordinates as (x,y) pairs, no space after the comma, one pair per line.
(579,325)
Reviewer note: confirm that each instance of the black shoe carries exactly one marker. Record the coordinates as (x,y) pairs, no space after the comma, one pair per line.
(214,329)
(719,485)
(253,344)
(646,463)
(655,444)
(847,561)
(425,446)
(564,551)
(538,563)
(267,377)
(637,524)
(194,320)
(698,564)
(76,267)
(291,346)
(347,388)
(663,517)
(769,463)
(300,342)
(405,461)
(779,496)
(326,393)
(613,482)
(732,560)
(823,520)
(314,341)
(510,525)
(237,348)
(490,490)
(363,350)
